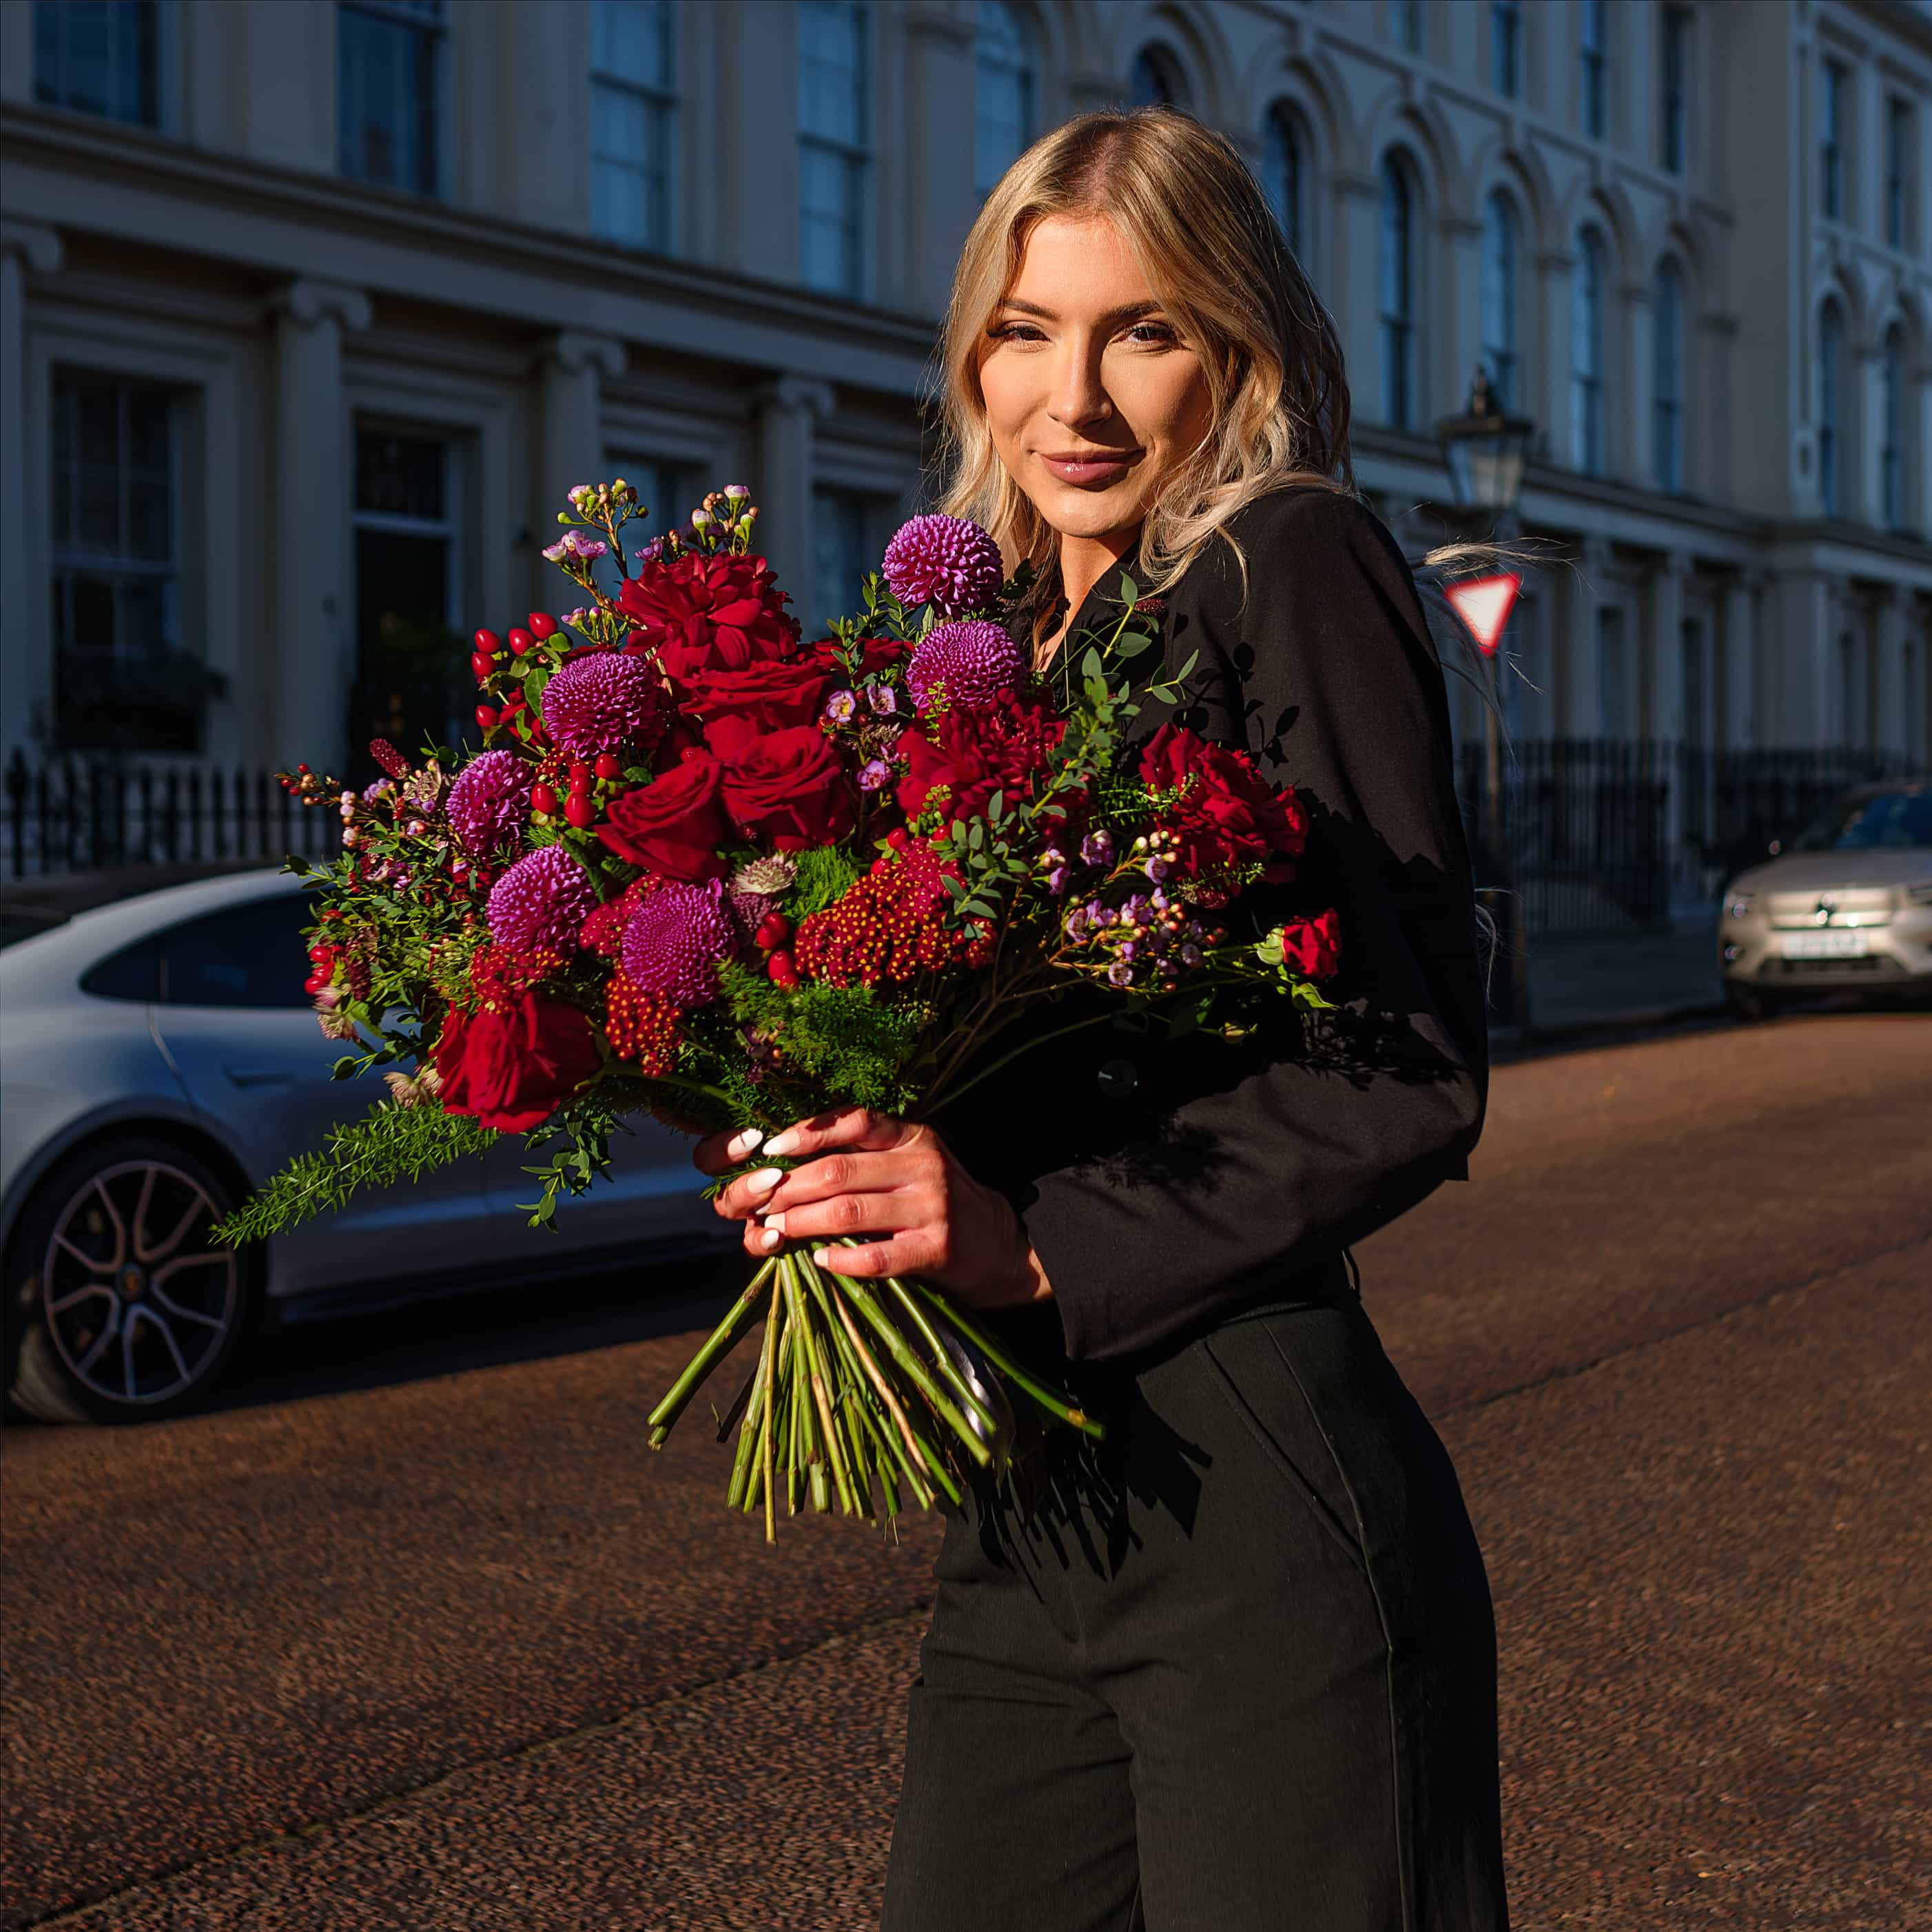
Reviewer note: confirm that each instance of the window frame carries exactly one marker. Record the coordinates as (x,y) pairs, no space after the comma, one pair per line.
(1833,86)
(1901,144)
(1500,350)
(662,105)
(166,81)
(1018,62)
(1675,59)
(1666,429)
(1403,19)
(1282,136)
(1165,67)
(1395,325)
(434,31)
(856,160)
(1895,484)
(1587,416)
(1506,48)
(1829,377)
(1593,102)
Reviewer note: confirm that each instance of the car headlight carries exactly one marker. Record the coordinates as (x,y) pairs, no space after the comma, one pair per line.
(1739,904)
(1920,894)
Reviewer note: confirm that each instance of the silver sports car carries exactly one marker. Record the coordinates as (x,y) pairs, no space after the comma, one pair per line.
(1847,906)
(158,1058)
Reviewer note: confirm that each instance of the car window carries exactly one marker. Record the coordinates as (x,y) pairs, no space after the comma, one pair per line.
(1885,819)
(252,954)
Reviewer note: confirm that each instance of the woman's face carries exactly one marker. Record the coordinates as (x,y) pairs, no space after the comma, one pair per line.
(1079,360)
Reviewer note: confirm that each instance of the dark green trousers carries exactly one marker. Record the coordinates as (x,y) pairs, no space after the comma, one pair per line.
(1234,1669)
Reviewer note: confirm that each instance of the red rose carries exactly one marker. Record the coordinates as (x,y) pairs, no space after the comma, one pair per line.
(787,787)
(1228,816)
(772,693)
(674,826)
(699,611)
(1002,745)
(512,1067)
(1313,947)
(875,654)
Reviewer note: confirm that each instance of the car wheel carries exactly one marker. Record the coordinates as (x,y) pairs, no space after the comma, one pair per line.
(124,1307)
(1751,1006)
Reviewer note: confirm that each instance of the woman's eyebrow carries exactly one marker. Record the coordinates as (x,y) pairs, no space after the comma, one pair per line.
(1127,312)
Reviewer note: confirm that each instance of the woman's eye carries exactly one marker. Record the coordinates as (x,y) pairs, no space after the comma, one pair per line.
(1163,334)
(1009,331)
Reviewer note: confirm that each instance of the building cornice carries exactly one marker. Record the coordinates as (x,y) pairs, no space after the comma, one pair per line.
(127,185)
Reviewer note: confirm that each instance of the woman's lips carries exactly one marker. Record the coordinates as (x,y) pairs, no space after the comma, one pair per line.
(1088,469)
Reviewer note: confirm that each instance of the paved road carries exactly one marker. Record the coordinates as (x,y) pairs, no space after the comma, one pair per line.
(444,1646)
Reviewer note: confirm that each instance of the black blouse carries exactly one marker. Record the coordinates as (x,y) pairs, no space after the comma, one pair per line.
(1169,1184)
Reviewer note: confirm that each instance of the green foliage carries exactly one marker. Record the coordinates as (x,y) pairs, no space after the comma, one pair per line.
(825,875)
(394,1144)
(854,1047)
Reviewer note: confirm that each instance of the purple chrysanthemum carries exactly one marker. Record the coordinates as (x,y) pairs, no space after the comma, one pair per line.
(947,562)
(675,939)
(975,660)
(595,702)
(488,800)
(539,904)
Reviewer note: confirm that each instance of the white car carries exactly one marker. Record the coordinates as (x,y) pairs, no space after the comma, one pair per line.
(158,1060)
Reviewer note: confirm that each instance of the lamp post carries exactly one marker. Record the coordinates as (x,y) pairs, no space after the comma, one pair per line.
(1485,449)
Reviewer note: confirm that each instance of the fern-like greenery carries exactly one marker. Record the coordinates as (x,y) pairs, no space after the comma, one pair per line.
(394,1144)
(825,874)
(855,1048)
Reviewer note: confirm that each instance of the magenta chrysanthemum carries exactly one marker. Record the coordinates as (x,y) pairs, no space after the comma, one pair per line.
(595,703)
(974,660)
(488,801)
(541,903)
(947,562)
(675,941)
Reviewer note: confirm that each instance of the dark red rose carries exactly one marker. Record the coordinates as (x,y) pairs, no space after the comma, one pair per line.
(1228,815)
(875,654)
(512,1067)
(1313,946)
(787,787)
(672,825)
(697,611)
(772,694)
(1002,745)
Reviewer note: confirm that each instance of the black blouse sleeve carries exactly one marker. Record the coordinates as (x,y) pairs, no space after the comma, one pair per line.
(1237,1167)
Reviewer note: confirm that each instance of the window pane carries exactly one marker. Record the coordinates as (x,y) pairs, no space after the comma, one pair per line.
(630,40)
(831,74)
(1503,45)
(1395,273)
(249,955)
(1003,95)
(1155,79)
(399,475)
(1282,176)
(1498,297)
(99,56)
(387,79)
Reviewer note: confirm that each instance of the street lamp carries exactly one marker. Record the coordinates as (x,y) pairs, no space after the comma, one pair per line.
(1485,449)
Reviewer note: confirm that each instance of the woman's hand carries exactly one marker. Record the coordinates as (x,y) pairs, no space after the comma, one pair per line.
(871,1174)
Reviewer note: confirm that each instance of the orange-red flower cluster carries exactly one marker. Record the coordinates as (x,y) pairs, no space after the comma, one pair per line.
(890,927)
(639,1026)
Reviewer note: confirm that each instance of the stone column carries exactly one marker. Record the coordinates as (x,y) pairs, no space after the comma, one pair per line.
(570,368)
(788,412)
(1803,658)
(313,623)
(26,638)
(1738,704)
(1446,387)
(1661,715)
(939,202)
(1355,305)
(1865,417)
(1628,413)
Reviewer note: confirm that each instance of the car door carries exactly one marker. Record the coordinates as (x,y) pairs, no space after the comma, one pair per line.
(242,1034)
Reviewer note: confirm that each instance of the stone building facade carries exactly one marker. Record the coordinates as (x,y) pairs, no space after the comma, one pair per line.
(310,310)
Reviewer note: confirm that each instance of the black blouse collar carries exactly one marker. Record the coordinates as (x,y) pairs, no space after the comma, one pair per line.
(1100,601)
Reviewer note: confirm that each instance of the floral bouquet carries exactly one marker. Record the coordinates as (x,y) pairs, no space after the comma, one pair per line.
(705,868)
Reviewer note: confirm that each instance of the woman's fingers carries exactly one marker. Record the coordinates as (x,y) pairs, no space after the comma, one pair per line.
(848,1127)
(720,1152)
(882,1213)
(909,1254)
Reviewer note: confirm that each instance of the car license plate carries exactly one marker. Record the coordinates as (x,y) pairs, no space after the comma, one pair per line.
(1824,946)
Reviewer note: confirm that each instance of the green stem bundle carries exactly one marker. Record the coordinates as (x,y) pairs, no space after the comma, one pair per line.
(855,1399)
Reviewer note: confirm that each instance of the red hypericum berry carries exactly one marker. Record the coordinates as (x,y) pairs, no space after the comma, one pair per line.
(542,798)
(486,643)
(303,769)
(541,626)
(519,642)
(578,809)
(484,668)
(774,929)
(899,838)
(780,971)
(486,716)
(580,777)
(608,767)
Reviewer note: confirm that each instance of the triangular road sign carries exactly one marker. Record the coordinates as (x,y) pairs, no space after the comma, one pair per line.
(1484,604)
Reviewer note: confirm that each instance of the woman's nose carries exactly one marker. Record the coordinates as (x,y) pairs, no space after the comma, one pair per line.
(1077,395)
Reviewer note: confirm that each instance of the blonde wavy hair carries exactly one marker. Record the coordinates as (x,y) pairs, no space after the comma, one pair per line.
(1195,219)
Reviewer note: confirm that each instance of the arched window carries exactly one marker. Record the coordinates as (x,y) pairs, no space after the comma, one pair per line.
(1281,173)
(1586,354)
(1002,94)
(834,145)
(1667,379)
(1395,295)
(1891,409)
(1155,79)
(1499,296)
(1831,358)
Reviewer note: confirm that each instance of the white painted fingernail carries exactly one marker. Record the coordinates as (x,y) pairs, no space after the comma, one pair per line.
(821,1257)
(764,1180)
(783,1145)
(770,1238)
(775,1221)
(740,1144)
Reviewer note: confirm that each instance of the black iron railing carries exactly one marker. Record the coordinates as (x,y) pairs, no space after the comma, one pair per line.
(73,814)
(1606,836)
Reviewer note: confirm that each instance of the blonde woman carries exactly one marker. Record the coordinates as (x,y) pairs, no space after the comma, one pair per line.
(1236,1670)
